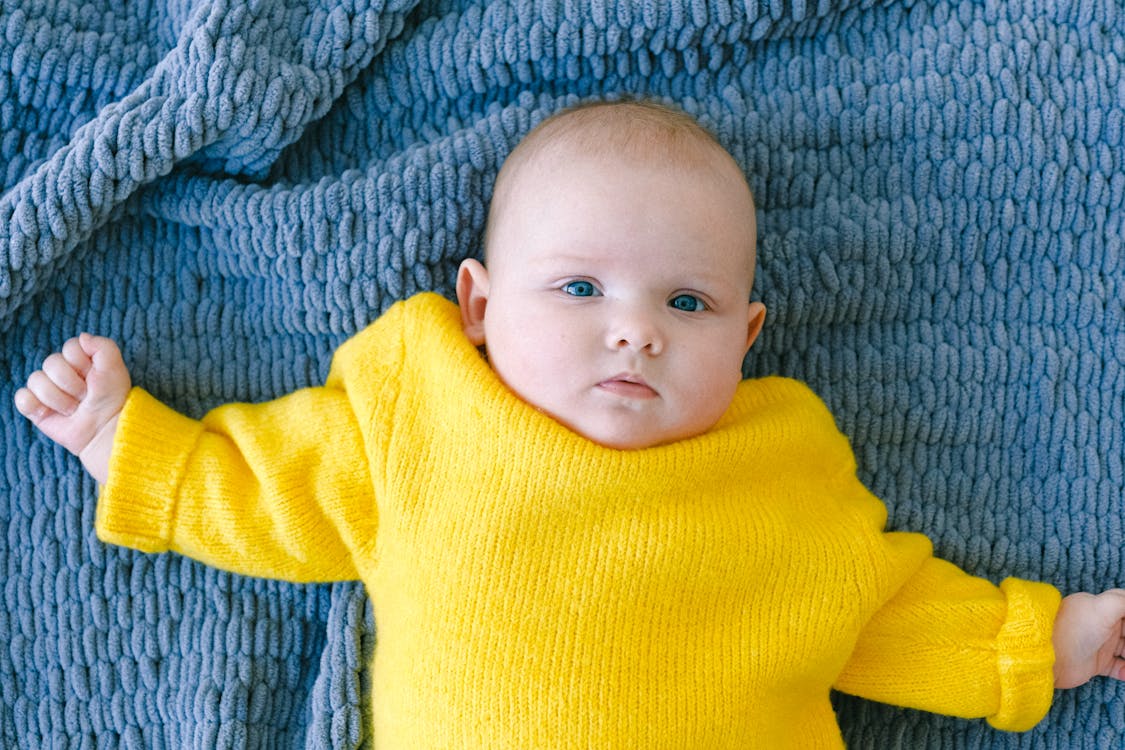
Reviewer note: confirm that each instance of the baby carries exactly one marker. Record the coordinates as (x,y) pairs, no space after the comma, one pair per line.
(596,534)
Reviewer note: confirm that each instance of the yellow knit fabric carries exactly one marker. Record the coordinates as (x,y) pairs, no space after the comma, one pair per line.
(534,590)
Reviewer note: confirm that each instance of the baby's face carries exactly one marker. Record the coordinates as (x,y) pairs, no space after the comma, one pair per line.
(616,297)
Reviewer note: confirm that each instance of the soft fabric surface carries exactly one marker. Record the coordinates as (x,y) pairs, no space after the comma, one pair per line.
(231,188)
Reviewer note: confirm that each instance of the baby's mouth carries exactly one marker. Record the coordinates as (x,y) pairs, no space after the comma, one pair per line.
(628,385)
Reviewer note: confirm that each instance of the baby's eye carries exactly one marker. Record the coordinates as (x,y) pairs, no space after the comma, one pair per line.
(687,303)
(580,289)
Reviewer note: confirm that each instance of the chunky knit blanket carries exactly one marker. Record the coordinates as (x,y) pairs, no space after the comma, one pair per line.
(232,187)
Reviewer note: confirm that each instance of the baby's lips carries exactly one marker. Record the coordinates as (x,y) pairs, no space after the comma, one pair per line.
(628,386)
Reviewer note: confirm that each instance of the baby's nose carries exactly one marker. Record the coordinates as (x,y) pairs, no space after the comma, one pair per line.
(636,332)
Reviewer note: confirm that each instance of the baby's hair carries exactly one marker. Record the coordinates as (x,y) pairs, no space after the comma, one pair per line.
(636,129)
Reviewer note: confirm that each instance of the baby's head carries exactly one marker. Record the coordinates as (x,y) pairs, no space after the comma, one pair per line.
(619,259)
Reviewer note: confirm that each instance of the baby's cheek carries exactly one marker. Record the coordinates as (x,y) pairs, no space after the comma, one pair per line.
(715,395)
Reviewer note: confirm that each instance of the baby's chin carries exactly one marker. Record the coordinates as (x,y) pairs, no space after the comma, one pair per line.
(619,436)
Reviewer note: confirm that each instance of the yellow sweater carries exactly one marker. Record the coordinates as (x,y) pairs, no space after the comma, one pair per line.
(534,590)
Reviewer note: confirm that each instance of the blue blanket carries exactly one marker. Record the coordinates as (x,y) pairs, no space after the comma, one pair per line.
(232,187)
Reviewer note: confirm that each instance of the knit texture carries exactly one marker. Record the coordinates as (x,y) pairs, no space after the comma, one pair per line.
(534,589)
(232,189)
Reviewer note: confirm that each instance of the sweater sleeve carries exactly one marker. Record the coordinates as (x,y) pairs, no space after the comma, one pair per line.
(955,644)
(282,489)
(276,490)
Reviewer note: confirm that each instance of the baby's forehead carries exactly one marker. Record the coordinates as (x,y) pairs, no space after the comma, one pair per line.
(543,186)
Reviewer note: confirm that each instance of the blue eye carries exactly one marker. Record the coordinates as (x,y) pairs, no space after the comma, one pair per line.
(687,303)
(580,289)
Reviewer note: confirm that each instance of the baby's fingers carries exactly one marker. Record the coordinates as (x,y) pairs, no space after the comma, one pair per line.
(49,397)
(75,355)
(107,377)
(64,375)
(29,406)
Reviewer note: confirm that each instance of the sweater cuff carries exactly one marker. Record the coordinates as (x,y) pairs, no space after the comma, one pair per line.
(1026,655)
(150,450)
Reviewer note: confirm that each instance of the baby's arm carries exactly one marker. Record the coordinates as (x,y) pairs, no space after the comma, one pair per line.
(75,399)
(1089,638)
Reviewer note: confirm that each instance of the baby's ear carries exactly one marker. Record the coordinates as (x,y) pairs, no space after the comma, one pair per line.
(756,320)
(472,296)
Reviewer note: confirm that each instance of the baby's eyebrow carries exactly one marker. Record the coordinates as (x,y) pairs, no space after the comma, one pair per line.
(571,258)
(709,281)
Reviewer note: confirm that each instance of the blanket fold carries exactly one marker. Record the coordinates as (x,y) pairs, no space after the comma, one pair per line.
(240,83)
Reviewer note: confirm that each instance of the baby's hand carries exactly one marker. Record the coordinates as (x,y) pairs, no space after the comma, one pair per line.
(76,398)
(1089,638)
